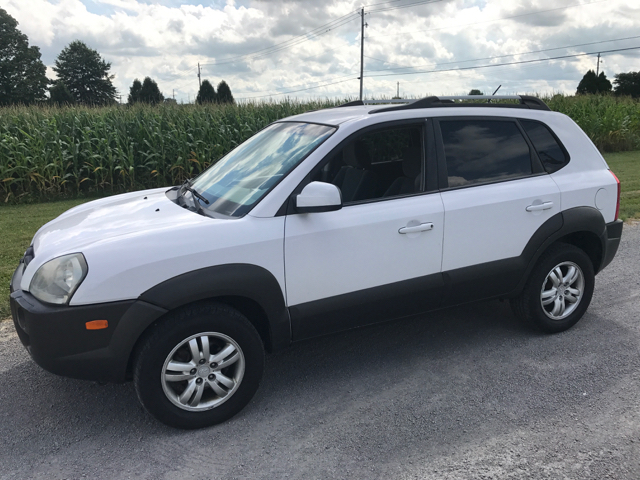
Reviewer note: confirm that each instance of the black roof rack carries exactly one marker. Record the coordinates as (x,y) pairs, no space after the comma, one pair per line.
(525,101)
(354,103)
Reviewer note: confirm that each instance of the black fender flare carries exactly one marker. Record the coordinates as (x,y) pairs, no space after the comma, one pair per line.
(230,280)
(573,220)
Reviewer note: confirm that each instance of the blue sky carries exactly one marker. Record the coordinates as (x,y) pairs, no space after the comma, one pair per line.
(428,47)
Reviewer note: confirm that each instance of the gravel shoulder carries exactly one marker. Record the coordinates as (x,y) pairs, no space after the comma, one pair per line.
(457,394)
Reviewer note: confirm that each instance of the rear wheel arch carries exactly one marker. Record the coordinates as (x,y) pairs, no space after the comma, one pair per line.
(582,227)
(589,243)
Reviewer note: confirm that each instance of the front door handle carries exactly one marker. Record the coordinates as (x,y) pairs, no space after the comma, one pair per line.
(423,227)
(541,206)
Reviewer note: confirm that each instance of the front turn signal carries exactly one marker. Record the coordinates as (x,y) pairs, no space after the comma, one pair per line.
(97,324)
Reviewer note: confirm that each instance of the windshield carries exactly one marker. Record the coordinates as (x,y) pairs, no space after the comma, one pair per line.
(242,177)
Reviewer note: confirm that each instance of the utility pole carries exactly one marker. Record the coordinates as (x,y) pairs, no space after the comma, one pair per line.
(199,80)
(598,66)
(173,94)
(398,91)
(362,50)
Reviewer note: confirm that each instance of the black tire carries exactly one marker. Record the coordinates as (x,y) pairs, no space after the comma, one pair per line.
(220,327)
(528,306)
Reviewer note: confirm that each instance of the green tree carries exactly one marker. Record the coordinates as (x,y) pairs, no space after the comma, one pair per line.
(134,92)
(206,94)
(627,84)
(22,73)
(85,74)
(592,83)
(150,93)
(604,85)
(59,94)
(224,93)
(475,91)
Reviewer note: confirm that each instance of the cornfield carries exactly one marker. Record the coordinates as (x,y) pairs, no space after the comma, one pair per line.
(48,152)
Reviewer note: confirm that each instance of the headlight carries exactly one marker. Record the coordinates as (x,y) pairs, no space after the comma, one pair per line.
(58,279)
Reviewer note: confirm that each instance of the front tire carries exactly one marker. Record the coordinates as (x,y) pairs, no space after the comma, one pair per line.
(558,291)
(199,367)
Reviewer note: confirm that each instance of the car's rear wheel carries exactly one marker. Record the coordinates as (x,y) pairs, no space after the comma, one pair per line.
(199,367)
(558,291)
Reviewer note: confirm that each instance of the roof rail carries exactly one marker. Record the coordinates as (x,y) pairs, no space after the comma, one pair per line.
(525,101)
(354,103)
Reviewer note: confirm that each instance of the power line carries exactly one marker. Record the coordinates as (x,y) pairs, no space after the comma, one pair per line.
(488,21)
(349,76)
(506,64)
(499,56)
(316,32)
(381,3)
(397,7)
(300,90)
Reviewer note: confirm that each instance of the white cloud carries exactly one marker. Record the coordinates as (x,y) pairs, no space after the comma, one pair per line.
(166,40)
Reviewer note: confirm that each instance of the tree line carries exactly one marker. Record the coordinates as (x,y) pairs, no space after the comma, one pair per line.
(83,76)
(627,84)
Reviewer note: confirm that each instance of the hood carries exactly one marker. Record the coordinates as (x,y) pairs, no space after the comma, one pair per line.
(111,217)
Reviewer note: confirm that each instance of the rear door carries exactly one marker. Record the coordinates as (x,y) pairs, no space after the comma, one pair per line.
(496,195)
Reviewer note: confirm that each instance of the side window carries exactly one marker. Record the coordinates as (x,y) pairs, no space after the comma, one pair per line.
(378,164)
(479,151)
(552,155)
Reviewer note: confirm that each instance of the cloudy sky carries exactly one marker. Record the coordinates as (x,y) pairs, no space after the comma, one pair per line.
(311,49)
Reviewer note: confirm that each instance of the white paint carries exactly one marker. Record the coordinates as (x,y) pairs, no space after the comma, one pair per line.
(360,247)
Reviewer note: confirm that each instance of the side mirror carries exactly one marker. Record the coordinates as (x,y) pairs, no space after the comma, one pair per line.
(319,197)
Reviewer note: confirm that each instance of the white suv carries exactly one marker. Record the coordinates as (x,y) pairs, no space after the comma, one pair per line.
(321,222)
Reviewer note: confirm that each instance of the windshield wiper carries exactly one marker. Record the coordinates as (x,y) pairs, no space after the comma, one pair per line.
(187,186)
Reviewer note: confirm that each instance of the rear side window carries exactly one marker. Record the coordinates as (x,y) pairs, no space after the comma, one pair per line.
(480,151)
(552,155)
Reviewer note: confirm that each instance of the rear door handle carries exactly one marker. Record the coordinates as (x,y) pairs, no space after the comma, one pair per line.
(541,206)
(423,227)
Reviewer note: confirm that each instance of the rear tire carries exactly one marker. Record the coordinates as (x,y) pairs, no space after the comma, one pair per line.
(558,291)
(199,367)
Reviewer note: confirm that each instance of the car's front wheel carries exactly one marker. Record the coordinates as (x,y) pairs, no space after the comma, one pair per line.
(558,291)
(199,367)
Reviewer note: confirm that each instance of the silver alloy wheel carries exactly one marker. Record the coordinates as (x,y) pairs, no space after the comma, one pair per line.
(562,290)
(203,371)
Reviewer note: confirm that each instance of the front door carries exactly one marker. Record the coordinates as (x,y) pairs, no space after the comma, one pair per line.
(377,258)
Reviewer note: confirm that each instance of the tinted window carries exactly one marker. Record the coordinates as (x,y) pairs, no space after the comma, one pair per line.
(483,151)
(379,164)
(552,155)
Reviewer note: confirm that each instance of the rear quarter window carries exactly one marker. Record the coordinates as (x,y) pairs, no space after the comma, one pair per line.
(551,153)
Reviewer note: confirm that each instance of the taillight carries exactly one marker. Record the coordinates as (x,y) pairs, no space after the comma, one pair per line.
(618,200)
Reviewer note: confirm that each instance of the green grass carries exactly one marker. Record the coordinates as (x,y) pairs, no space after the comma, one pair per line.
(18,223)
(626,166)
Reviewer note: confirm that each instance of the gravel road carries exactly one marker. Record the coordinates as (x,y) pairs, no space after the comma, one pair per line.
(465,393)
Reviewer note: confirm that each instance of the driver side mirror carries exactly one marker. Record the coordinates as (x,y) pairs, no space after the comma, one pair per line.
(319,197)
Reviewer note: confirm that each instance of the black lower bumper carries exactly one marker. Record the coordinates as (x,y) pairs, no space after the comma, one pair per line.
(57,338)
(612,242)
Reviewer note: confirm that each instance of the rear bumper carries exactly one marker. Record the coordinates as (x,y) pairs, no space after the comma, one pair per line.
(57,339)
(611,242)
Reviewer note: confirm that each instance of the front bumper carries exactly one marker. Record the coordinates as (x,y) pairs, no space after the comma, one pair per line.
(57,339)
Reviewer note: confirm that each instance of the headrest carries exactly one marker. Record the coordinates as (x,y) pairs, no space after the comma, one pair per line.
(356,155)
(412,160)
